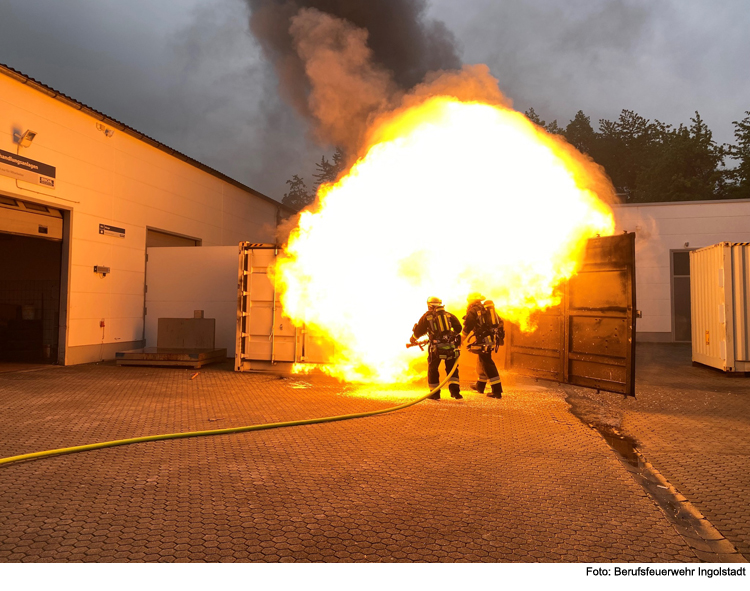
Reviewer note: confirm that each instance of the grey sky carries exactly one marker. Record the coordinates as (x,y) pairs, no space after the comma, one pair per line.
(188,73)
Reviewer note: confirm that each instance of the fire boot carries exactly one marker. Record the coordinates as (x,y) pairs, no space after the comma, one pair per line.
(497,391)
(455,391)
(478,387)
(435,396)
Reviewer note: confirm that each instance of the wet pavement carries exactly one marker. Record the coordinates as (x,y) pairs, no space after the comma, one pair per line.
(692,425)
(523,479)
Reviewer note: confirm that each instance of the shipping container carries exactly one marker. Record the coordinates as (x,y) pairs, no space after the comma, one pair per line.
(720,311)
(266,338)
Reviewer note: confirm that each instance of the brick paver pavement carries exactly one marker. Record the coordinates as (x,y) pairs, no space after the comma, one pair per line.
(693,424)
(477,480)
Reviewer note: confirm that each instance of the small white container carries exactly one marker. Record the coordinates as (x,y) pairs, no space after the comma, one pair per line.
(720,305)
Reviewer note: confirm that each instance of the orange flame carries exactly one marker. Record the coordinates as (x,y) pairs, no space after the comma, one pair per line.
(451,197)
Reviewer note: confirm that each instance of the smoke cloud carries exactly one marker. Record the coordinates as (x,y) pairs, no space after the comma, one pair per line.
(347,86)
(342,62)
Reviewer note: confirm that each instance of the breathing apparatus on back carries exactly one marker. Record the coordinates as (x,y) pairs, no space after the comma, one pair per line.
(489,332)
(443,340)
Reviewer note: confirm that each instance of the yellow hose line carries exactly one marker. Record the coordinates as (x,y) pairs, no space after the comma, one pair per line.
(71,450)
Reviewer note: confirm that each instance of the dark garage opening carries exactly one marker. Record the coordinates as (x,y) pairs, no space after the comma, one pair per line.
(30,271)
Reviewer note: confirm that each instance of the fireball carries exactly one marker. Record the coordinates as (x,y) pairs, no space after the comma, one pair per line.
(450,197)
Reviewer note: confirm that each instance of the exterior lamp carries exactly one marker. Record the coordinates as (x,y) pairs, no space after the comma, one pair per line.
(25,140)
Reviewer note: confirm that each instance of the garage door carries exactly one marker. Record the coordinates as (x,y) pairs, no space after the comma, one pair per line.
(30,219)
(30,268)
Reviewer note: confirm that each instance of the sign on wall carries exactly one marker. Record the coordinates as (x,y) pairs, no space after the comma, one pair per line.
(111,231)
(26,169)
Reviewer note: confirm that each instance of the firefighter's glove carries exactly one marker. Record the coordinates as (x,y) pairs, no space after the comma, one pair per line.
(412,339)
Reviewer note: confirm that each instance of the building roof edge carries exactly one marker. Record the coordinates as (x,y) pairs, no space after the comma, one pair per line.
(109,121)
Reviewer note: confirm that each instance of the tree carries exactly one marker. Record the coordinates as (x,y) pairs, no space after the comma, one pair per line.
(623,149)
(580,134)
(554,128)
(534,118)
(550,128)
(653,161)
(328,172)
(684,165)
(739,177)
(297,197)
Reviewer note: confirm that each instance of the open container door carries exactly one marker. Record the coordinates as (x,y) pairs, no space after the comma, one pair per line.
(589,339)
(266,339)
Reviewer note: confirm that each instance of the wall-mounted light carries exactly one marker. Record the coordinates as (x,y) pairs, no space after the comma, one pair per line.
(25,140)
(105,130)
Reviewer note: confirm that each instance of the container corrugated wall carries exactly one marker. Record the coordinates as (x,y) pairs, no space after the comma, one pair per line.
(720,305)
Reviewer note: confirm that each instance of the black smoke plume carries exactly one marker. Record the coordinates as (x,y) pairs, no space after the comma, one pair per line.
(339,62)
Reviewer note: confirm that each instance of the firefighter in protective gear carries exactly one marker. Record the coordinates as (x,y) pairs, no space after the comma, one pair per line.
(444,331)
(489,333)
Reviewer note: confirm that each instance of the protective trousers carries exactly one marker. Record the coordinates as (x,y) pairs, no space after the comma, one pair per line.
(487,372)
(433,372)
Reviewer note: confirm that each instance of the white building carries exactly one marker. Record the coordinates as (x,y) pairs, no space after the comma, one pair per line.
(81,198)
(665,234)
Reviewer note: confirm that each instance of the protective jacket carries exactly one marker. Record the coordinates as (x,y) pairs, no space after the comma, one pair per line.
(443,329)
(487,326)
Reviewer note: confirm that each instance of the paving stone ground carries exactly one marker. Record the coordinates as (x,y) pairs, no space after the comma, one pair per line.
(478,480)
(693,424)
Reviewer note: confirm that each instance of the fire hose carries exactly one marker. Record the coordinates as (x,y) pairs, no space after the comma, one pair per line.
(101,445)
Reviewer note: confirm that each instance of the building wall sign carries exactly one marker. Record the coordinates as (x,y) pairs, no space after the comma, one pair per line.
(26,169)
(111,231)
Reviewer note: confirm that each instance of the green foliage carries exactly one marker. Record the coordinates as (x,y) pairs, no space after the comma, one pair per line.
(534,118)
(550,128)
(652,161)
(739,177)
(580,134)
(684,165)
(328,172)
(298,196)
(554,128)
(624,147)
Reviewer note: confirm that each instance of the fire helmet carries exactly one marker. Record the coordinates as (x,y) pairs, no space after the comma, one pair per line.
(434,302)
(474,296)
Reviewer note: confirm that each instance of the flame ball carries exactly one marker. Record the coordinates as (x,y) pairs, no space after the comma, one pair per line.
(451,197)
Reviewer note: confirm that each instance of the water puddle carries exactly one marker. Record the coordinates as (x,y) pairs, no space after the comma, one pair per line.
(625,448)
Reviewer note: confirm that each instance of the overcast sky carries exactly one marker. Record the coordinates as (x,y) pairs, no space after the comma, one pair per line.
(189,74)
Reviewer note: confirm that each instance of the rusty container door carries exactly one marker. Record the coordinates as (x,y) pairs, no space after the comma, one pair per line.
(540,353)
(589,339)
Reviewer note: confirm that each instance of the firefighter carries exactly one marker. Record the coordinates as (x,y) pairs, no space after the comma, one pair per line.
(489,333)
(444,331)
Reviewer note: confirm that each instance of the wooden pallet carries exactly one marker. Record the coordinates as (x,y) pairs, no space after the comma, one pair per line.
(170,357)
